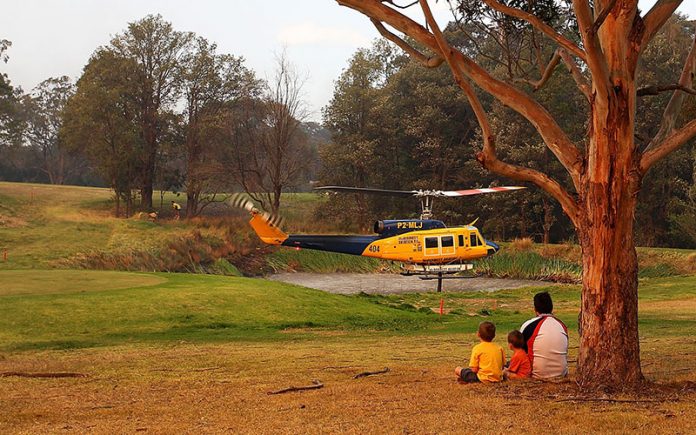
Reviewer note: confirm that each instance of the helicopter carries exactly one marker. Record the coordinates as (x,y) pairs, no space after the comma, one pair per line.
(425,247)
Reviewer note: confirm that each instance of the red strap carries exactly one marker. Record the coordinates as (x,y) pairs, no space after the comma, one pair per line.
(530,342)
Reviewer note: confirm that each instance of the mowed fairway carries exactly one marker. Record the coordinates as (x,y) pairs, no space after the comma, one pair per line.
(177,352)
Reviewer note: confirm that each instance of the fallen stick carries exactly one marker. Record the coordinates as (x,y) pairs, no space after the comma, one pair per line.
(378,372)
(600,399)
(43,375)
(315,386)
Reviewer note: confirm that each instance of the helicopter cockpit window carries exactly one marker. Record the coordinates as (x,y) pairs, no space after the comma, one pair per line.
(447,241)
(431,242)
(473,240)
(461,240)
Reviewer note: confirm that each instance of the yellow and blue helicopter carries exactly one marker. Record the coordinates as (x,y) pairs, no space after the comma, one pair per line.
(425,246)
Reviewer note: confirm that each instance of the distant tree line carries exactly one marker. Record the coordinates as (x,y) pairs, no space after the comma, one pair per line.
(161,109)
(398,125)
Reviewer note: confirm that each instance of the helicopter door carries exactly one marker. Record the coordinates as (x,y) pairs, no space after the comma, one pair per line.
(447,244)
(432,246)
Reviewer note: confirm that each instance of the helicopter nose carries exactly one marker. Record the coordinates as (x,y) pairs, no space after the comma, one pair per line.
(492,247)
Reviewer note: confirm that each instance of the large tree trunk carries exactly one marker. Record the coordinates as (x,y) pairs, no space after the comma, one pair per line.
(609,355)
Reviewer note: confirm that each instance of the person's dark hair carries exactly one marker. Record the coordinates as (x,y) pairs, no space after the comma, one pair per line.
(486,331)
(516,339)
(543,303)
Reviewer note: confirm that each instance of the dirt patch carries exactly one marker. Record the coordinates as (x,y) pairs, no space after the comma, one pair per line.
(353,283)
(11,222)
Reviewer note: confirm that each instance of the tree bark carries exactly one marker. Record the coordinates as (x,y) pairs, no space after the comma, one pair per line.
(609,355)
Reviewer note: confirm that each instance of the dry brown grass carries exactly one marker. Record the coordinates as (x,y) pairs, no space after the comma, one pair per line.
(691,262)
(522,245)
(218,388)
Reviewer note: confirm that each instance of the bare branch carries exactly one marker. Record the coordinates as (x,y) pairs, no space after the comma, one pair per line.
(580,79)
(658,89)
(595,58)
(552,134)
(487,157)
(539,24)
(656,17)
(670,143)
(602,16)
(547,73)
(391,2)
(671,112)
(428,61)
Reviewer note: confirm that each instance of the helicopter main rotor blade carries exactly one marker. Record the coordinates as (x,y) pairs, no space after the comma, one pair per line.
(368,190)
(468,192)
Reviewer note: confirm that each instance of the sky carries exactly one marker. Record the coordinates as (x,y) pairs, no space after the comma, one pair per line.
(52,38)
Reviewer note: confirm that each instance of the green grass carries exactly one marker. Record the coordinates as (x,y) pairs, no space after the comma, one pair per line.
(75,309)
(306,260)
(67,309)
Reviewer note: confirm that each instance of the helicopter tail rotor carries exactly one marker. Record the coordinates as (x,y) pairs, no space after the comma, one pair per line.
(266,225)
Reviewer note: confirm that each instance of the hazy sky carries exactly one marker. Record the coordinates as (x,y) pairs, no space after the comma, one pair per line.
(56,37)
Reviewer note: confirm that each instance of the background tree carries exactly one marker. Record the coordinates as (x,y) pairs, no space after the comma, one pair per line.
(157,49)
(10,123)
(270,152)
(43,111)
(102,120)
(604,172)
(210,82)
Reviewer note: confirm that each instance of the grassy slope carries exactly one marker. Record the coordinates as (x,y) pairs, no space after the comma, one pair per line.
(50,223)
(41,226)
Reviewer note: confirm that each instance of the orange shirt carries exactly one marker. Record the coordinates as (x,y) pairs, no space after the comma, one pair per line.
(520,365)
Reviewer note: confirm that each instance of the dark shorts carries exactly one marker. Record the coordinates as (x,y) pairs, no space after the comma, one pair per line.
(466,375)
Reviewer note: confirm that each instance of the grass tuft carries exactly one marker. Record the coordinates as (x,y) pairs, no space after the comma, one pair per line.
(522,245)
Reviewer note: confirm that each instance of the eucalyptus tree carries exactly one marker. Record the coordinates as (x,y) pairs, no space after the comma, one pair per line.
(157,50)
(600,46)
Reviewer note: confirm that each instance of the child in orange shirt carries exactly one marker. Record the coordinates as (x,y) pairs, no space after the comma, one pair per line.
(487,359)
(520,367)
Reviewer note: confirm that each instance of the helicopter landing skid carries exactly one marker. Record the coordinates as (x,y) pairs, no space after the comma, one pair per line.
(436,271)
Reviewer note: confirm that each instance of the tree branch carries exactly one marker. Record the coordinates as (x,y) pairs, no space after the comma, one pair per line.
(553,136)
(671,112)
(579,78)
(547,73)
(657,89)
(487,157)
(430,62)
(670,143)
(656,17)
(601,17)
(539,24)
(595,59)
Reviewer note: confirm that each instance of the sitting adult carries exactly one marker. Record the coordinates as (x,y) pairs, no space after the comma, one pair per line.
(546,338)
